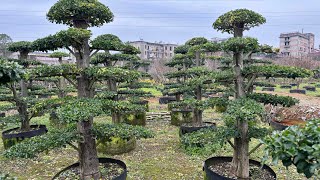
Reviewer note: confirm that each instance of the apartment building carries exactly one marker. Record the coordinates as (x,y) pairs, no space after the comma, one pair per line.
(296,44)
(153,51)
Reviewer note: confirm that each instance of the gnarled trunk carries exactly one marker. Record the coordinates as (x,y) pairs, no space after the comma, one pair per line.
(62,83)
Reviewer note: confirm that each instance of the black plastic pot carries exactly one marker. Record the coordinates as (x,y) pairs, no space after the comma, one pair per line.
(184,129)
(310,88)
(293,84)
(122,176)
(2,114)
(210,175)
(285,87)
(277,126)
(12,139)
(299,91)
(268,89)
(166,99)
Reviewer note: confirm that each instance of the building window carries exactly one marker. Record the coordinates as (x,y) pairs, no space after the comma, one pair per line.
(145,53)
(165,48)
(287,43)
(148,47)
(287,38)
(170,48)
(145,46)
(170,54)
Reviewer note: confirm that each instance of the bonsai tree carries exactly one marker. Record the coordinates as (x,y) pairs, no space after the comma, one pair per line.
(298,146)
(242,113)
(191,78)
(115,90)
(5,41)
(61,85)
(79,111)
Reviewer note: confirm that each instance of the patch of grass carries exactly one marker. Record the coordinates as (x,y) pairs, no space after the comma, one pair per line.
(153,91)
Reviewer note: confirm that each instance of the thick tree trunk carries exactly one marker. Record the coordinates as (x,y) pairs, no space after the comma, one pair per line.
(197,113)
(21,104)
(240,161)
(88,158)
(112,85)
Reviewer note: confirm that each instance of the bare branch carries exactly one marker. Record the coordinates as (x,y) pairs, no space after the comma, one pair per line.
(231,144)
(71,82)
(250,82)
(255,148)
(72,52)
(94,53)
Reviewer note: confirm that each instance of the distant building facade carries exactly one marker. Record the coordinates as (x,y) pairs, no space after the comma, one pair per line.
(153,51)
(296,44)
(43,57)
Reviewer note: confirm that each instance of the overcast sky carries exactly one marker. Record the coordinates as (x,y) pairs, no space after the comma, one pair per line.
(173,21)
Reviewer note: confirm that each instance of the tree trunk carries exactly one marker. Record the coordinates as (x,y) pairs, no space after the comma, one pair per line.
(240,160)
(197,113)
(21,104)
(88,158)
(62,83)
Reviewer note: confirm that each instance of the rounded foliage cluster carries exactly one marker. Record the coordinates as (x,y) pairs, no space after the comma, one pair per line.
(92,12)
(107,42)
(240,18)
(239,44)
(9,71)
(21,46)
(59,55)
(196,41)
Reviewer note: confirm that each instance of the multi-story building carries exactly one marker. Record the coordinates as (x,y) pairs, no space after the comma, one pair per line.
(296,44)
(153,51)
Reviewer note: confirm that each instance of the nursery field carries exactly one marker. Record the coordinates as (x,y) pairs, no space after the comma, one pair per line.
(161,157)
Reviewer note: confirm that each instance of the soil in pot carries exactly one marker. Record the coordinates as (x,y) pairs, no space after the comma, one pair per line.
(110,169)
(13,136)
(116,145)
(219,168)
(255,172)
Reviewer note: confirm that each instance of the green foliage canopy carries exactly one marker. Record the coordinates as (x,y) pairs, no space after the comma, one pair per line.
(92,12)
(239,18)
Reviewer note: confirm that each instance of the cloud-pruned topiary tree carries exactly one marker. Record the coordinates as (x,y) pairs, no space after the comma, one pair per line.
(242,113)
(80,15)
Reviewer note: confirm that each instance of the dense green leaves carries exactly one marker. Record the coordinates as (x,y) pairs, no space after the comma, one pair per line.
(119,74)
(49,43)
(277,71)
(74,37)
(69,12)
(123,131)
(298,146)
(31,147)
(57,70)
(10,71)
(107,42)
(244,110)
(285,101)
(239,44)
(21,46)
(59,55)
(196,41)
(240,18)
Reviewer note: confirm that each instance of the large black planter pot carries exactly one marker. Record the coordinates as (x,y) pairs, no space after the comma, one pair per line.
(122,176)
(268,89)
(210,175)
(299,91)
(277,126)
(167,99)
(184,129)
(12,139)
